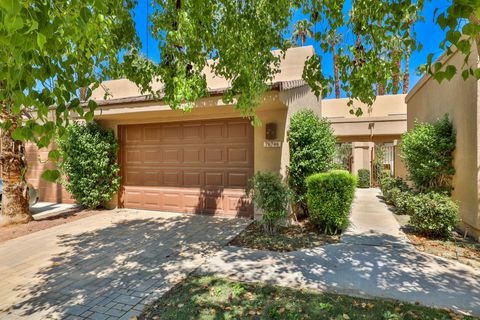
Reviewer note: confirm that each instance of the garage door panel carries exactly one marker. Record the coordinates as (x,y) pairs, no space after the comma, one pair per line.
(171,133)
(133,156)
(237,179)
(239,155)
(133,135)
(238,129)
(197,166)
(193,132)
(214,155)
(152,156)
(214,179)
(214,130)
(192,155)
(152,135)
(172,178)
(172,156)
(192,202)
(192,178)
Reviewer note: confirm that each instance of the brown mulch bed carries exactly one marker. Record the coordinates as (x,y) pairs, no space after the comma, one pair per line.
(466,251)
(289,238)
(18,230)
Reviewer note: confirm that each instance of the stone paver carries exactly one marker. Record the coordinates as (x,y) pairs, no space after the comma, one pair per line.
(107,266)
(373,260)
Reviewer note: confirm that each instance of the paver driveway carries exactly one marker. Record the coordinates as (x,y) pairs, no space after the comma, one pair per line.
(107,266)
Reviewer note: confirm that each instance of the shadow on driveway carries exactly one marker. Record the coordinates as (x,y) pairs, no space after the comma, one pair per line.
(114,271)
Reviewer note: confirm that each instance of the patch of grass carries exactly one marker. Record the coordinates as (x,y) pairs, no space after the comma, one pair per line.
(290,238)
(208,297)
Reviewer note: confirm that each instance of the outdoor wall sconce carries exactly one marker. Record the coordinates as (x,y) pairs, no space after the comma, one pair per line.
(271,131)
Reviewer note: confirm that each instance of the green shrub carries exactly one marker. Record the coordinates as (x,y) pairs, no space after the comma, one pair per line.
(427,151)
(338,166)
(89,163)
(330,197)
(272,196)
(391,195)
(402,202)
(364,178)
(388,182)
(433,214)
(312,150)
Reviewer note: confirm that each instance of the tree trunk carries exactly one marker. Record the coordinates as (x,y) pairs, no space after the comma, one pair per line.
(335,71)
(12,157)
(396,74)
(406,76)
(381,89)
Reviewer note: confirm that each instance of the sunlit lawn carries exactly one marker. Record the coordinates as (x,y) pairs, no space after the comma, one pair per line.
(207,297)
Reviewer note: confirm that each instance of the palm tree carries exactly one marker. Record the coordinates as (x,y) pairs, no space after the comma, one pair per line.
(332,39)
(406,75)
(302,29)
(411,19)
(396,56)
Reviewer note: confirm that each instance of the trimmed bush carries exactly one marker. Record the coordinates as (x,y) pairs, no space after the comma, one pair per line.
(330,197)
(312,150)
(89,163)
(433,214)
(427,151)
(364,178)
(271,195)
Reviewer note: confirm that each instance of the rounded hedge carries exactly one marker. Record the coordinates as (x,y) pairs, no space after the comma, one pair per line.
(433,214)
(364,178)
(330,196)
(89,164)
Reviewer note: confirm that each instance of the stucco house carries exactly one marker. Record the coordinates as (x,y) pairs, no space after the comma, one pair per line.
(460,99)
(200,161)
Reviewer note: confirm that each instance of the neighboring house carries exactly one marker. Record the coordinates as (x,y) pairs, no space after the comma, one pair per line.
(460,99)
(380,125)
(200,160)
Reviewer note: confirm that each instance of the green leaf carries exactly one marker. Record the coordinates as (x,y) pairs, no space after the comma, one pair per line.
(450,72)
(11,6)
(41,40)
(465,74)
(53,155)
(18,134)
(51,175)
(92,105)
(89,116)
(33,27)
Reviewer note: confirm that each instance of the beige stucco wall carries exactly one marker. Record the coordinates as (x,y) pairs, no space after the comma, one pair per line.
(458,98)
(387,116)
(384,121)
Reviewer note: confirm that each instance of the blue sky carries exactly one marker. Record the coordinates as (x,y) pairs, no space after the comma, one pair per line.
(428,33)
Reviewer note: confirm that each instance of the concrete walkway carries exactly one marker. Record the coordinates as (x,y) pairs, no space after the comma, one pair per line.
(374,260)
(107,266)
(41,210)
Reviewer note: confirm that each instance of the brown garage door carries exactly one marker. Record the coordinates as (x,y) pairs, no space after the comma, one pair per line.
(196,166)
